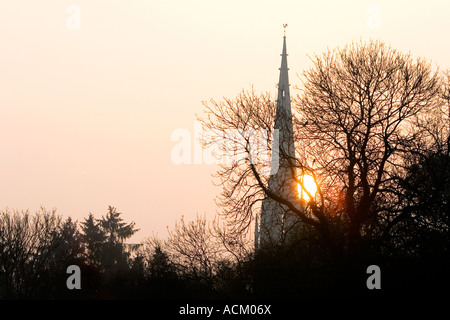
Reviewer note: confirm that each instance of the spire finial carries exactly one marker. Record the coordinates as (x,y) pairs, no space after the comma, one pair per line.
(285,26)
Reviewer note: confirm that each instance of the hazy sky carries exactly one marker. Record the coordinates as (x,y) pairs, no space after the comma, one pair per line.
(86,115)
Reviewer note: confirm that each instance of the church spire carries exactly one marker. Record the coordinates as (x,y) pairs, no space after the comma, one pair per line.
(283,83)
(276,219)
(283,116)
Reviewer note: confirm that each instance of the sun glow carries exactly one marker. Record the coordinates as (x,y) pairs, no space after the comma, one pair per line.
(309,186)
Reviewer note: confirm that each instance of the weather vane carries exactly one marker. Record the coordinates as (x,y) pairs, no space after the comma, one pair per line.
(284,26)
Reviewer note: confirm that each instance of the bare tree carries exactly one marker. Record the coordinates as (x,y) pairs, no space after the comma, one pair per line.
(27,243)
(191,245)
(236,247)
(360,103)
(445,113)
(198,248)
(355,120)
(233,124)
(424,190)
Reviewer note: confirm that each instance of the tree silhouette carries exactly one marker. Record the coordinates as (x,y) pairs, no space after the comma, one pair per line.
(355,120)
(360,103)
(34,253)
(372,126)
(193,248)
(116,231)
(114,228)
(425,215)
(94,238)
(105,238)
(160,266)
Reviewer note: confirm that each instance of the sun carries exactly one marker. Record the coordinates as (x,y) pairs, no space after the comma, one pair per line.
(309,185)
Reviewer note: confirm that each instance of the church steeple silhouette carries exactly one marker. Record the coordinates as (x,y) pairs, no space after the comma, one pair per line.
(276,219)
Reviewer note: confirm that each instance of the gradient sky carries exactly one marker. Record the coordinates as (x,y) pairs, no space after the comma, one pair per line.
(86,115)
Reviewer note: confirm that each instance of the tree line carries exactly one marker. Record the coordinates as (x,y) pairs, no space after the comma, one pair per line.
(197,259)
(371,125)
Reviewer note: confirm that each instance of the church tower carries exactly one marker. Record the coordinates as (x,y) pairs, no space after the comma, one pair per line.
(276,219)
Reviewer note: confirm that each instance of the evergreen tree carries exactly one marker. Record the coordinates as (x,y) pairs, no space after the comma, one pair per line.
(160,267)
(94,237)
(115,229)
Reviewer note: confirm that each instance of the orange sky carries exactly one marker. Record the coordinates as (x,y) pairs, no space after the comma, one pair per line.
(86,115)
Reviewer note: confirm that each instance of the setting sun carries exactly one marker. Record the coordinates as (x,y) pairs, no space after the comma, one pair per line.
(309,186)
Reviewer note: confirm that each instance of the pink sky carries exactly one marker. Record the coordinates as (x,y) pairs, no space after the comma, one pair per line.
(86,115)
